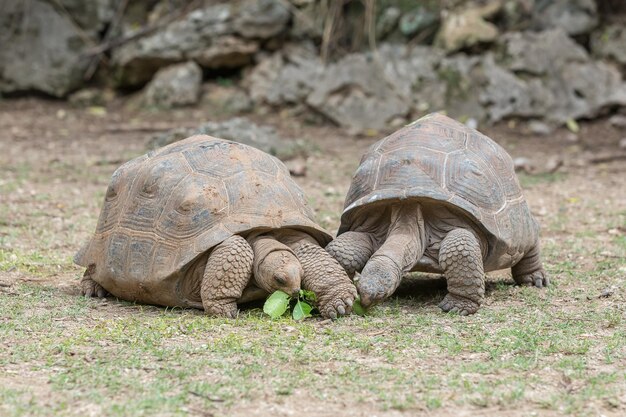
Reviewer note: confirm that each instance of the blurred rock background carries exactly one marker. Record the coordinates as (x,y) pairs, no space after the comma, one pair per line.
(365,65)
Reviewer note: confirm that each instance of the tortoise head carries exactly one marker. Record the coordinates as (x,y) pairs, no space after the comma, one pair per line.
(280,270)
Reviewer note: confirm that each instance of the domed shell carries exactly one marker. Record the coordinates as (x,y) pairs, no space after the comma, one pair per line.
(164,209)
(439,160)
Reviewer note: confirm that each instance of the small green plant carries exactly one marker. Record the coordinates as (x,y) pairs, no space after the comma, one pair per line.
(301,307)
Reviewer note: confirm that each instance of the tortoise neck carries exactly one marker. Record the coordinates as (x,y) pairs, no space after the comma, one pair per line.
(405,234)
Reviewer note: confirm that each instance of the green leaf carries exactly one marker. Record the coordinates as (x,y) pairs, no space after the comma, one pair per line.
(572,125)
(308,296)
(276,304)
(301,311)
(358,309)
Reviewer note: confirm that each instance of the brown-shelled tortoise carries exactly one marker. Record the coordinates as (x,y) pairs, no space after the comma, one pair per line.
(207,223)
(437,196)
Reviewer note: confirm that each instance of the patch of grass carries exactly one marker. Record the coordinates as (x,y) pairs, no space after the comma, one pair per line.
(532,180)
(34,262)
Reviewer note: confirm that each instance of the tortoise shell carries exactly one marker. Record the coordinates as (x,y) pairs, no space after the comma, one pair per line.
(438,160)
(163,210)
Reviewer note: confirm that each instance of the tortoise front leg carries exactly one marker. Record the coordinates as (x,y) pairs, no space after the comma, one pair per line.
(352,250)
(529,270)
(227,273)
(460,258)
(326,278)
(89,287)
(402,248)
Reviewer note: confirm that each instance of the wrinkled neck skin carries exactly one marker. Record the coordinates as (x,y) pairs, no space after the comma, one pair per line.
(437,220)
(405,235)
(276,267)
(403,246)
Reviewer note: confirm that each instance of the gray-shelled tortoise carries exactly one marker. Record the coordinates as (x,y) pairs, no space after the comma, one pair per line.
(207,223)
(437,196)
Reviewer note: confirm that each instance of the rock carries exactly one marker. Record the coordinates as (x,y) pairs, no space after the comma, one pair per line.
(261,19)
(468,27)
(207,35)
(41,50)
(226,52)
(506,95)
(568,84)
(618,120)
(576,17)
(418,20)
(137,61)
(516,14)
(225,100)
(541,52)
(355,94)
(240,130)
(288,76)
(387,22)
(92,16)
(622,143)
(175,86)
(523,164)
(308,22)
(459,86)
(610,42)
(583,90)
(539,128)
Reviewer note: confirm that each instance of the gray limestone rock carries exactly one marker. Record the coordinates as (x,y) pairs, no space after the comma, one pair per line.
(209,35)
(261,19)
(355,94)
(174,86)
(610,42)
(41,50)
(287,76)
(576,17)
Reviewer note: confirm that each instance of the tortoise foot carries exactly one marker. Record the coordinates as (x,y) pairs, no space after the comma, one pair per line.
(537,279)
(457,304)
(90,288)
(339,302)
(223,309)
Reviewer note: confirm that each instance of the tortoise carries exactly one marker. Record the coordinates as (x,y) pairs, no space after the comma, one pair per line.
(437,196)
(208,223)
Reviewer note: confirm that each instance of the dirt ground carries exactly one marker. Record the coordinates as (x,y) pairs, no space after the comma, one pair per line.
(558,351)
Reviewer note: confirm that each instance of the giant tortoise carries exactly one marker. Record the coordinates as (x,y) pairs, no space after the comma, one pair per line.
(437,196)
(207,223)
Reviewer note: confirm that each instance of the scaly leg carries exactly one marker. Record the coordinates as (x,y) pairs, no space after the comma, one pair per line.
(89,287)
(461,259)
(227,273)
(529,270)
(326,278)
(352,250)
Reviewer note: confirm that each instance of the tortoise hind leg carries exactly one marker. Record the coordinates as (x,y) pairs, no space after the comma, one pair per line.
(89,287)
(461,259)
(228,270)
(352,250)
(529,270)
